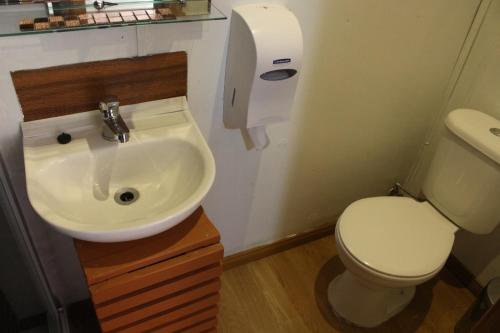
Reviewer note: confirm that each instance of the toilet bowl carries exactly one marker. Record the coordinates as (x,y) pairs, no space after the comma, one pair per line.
(403,244)
(389,245)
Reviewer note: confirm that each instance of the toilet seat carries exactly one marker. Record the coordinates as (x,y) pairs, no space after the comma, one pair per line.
(396,236)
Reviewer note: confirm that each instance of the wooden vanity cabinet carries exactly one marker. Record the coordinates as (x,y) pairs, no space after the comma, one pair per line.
(166,283)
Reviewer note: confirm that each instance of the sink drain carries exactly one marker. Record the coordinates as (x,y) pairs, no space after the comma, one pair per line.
(126,196)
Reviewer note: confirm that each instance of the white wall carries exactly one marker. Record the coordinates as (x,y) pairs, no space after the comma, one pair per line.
(374,73)
(478,87)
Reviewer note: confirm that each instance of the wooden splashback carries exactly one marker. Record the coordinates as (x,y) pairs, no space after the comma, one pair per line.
(56,91)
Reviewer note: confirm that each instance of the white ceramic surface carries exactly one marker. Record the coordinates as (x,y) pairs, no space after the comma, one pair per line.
(389,244)
(463,181)
(397,236)
(474,127)
(366,297)
(73,186)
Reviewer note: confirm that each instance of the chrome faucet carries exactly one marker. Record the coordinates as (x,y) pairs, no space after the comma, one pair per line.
(114,129)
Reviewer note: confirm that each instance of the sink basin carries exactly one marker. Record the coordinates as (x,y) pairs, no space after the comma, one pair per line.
(102,191)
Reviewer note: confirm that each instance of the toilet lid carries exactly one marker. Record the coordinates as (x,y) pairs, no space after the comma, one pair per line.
(396,236)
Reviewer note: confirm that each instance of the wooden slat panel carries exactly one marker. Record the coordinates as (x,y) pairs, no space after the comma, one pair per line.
(102,261)
(204,319)
(154,274)
(164,319)
(202,327)
(61,90)
(172,286)
(149,310)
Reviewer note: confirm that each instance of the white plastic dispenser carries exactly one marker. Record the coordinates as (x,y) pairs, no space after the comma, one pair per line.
(263,63)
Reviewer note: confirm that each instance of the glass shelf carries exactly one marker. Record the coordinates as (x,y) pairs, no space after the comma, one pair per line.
(73,15)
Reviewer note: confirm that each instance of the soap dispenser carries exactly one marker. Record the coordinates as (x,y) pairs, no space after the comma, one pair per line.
(262,69)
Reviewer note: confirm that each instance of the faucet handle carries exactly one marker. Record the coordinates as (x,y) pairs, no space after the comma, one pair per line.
(109,106)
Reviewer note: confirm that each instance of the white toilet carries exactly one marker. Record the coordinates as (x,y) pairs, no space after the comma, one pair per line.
(389,245)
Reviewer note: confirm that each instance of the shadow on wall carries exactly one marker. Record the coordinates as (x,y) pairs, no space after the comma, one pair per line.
(477,88)
(311,197)
(251,186)
(230,200)
(365,97)
(485,265)
(358,126)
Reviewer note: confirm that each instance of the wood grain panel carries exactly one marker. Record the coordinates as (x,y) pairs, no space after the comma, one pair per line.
(102,261)
(136,314)
(201,327)
(287,292)
(199,321)
(154,274)
(163,319)
(151,294)
(167,283)
(61,90)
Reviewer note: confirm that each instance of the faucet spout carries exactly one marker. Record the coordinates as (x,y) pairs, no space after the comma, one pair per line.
(114,129)
(123,137)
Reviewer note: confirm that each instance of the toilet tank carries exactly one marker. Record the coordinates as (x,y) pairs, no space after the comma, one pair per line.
(463,181)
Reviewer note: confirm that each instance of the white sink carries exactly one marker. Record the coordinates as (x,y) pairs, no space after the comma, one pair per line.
(166,167)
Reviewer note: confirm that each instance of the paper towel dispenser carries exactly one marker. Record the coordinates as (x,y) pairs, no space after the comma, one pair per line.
(278,74)
(263,63)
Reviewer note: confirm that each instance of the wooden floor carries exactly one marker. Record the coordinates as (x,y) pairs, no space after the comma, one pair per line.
(286,292)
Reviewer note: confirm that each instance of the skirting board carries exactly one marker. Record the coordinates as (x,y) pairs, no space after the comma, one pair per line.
(241,258)
(284,244)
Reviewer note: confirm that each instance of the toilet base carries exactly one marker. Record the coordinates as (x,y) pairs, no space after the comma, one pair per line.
(366,305)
